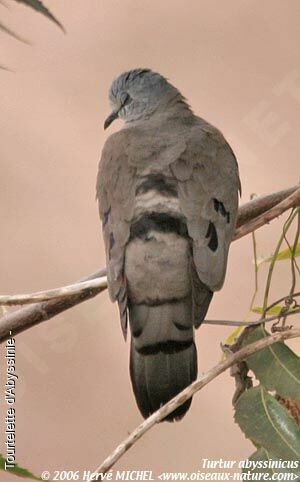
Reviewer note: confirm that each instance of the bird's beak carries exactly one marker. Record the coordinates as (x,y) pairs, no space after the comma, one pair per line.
(113,116)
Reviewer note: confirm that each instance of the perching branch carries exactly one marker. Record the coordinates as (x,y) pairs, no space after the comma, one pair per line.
(291,201)
(64,292)
(260,204)
(252,215)
(20,320)
(188,392)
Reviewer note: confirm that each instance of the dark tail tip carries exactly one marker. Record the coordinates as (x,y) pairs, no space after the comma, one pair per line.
(160,372)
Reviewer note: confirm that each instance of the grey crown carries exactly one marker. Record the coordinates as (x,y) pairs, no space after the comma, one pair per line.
(167,187)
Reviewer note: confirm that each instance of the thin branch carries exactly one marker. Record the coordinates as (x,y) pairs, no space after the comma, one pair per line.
(292,201)
(294,265)
(64,292)
(256,266)
(260,204)
(183,396)
(249,323)
(286,226)
(284,298)
(26,317)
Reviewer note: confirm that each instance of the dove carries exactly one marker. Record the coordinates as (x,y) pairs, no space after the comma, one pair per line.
(167,187)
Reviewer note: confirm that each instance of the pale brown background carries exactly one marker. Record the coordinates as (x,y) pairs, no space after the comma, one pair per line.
(229,58)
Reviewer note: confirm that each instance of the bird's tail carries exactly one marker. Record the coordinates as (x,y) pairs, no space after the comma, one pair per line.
(163,356)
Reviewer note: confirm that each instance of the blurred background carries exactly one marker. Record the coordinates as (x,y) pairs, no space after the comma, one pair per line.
(237,62)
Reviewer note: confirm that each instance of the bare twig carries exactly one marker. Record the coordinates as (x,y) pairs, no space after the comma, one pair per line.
(169,407)
(26,317)
(284,298)
(294,265)
(261,204)
(286,226)
(249,323)
(256,266)
(65,291)
(292,201)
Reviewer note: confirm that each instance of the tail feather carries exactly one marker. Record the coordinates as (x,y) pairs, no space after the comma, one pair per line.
(163,356)
(159,374)
(166,300)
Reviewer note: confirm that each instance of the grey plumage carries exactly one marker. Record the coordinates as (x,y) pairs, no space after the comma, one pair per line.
(168,196)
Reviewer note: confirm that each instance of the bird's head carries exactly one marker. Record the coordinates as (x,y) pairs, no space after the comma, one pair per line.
(139,94)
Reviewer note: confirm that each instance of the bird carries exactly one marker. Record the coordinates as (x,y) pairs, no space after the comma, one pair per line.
(167,188)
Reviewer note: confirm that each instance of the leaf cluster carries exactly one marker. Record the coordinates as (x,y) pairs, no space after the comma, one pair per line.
(269,413)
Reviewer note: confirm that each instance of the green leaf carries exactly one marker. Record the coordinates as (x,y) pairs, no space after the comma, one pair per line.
(268,424)
(17,470)
(38,6)
(263,462)
(277,367)
(284,254)
(233,335)
(275,310)
(12,33)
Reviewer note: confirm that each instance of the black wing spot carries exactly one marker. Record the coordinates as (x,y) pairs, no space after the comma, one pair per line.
(216,204)
(111,244)
(213,237)
(106,216)
(220,208)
